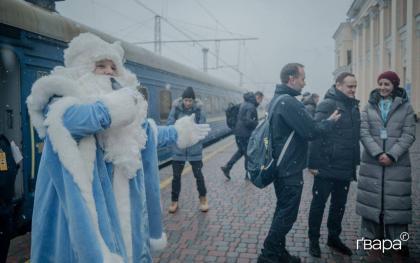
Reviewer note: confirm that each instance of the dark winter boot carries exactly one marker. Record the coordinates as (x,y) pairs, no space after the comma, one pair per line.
(226,171)
(338,245)
(287,258)
(314,248)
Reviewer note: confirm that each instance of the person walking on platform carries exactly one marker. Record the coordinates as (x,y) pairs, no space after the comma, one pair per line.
(246,123)
(384,184)
(333,159)
(290,115)
(188,105)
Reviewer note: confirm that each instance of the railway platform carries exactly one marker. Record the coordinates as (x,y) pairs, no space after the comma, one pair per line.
(234,228)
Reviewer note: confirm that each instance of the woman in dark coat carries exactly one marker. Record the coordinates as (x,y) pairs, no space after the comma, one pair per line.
(384,184)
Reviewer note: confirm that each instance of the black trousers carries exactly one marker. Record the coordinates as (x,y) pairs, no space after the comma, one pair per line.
(321,190)
(288,192)
(177,167)
(242,143)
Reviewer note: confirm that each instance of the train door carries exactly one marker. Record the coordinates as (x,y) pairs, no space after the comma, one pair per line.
(10,104)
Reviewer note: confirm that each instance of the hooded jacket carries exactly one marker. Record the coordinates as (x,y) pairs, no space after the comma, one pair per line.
(288,115)
(382,189)
(247,116)
(193,153)
(337,153)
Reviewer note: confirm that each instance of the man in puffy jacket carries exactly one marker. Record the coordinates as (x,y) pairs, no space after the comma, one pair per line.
(246,123)
(290,115)
(333,159)
(188,105)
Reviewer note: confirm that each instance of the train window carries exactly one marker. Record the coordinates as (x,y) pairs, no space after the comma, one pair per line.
(165,104)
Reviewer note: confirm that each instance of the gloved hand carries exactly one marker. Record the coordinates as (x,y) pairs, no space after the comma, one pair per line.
(189,132)
(122,105)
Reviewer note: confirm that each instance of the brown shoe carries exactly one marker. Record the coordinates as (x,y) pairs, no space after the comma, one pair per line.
(204,204)
(173,207)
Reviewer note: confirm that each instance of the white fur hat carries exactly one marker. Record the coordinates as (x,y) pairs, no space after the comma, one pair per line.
(86,49)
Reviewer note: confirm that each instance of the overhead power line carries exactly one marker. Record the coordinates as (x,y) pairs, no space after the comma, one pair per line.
(190,38)
(198,40)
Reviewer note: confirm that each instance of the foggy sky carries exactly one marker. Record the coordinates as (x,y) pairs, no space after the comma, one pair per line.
(288,31)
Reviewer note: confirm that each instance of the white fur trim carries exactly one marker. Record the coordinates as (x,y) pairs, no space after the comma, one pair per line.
(122,196)
(86,49)
(159,244)
(154,127)
(78,161)
(42,90)
(183,129)
(121,106)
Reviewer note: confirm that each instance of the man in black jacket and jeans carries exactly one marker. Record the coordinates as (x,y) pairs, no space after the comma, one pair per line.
(290,115)
(332,160)
(246,123)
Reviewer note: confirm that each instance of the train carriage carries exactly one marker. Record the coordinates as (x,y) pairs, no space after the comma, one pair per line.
(32,41)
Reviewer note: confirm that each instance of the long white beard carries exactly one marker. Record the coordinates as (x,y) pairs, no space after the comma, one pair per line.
(122,145)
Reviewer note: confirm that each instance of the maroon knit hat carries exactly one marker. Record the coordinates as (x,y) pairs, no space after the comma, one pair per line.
(391,76)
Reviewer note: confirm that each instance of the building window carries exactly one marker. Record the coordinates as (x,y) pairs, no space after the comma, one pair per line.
(348,57)
(165,99)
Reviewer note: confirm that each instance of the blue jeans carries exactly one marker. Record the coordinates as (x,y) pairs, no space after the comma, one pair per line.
(288,192)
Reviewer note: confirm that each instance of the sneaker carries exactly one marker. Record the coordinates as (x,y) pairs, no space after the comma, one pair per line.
(226,171)
(173,207)
(338,245)
(286,257)
(314,249)
(204,204)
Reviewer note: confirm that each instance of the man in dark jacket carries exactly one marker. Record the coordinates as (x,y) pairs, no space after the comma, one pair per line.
(290,115)
(186,106)
(333,159)
(247,121)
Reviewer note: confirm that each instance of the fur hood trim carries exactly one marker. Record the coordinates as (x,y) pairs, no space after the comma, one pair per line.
(86,49)
(197,103)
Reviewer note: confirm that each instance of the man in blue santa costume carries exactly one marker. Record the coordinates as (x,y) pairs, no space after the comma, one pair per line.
(97,193)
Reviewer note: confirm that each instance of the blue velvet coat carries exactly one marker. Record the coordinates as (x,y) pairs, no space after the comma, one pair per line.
(62,229)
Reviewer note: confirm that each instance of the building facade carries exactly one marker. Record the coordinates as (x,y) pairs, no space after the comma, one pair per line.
(385,36)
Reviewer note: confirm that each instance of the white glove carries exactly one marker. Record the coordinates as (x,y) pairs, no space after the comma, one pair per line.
(122,105)
(189,132)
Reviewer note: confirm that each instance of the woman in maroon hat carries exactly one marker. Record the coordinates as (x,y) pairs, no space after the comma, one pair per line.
(384,183)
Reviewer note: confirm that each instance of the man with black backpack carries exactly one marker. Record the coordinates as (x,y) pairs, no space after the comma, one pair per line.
(246,121)
(289,115)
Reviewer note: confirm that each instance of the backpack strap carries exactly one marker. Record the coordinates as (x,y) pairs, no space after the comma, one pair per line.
(289,139)
(286,145)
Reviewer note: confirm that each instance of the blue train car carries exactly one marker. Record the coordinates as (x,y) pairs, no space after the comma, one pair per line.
(31,44)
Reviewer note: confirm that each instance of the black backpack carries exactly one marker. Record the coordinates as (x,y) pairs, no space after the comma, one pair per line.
(261,165)
(8,169)
(232,114)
